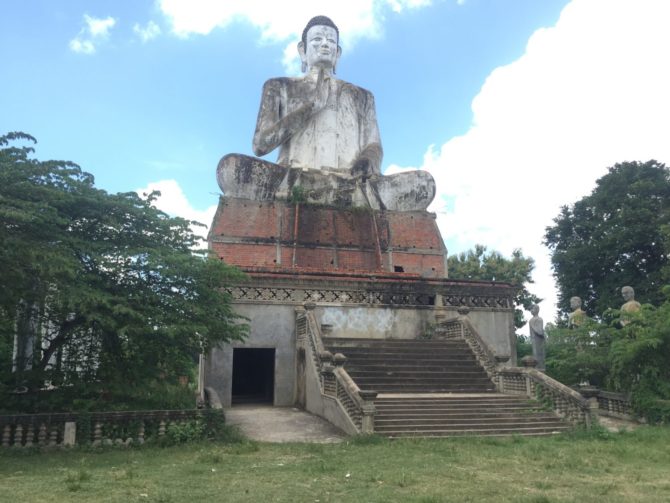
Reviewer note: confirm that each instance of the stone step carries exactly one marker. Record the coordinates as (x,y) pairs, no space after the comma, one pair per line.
(471,421)
(395,371)
(386,367)
(441,358)
(427,413)
(411,408)
(455,418)
(491,431)
(399,350)
(399,388)
(337,341)
(365,380)
(389,362)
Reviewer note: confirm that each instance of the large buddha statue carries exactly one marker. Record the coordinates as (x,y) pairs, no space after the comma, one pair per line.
(328,140)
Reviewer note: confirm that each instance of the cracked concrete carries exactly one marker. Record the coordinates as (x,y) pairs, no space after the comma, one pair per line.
(266,423)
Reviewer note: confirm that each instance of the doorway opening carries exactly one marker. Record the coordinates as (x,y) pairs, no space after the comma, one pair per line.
(253,375)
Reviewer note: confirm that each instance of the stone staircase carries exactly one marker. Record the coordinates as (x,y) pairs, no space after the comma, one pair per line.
(434,388)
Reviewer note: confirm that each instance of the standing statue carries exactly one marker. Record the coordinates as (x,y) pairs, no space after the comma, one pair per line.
(577,316)
(328,139)
(537,336)
(630,306)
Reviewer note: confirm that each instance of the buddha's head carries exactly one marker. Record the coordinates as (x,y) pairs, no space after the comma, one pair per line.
(575,303)
(628,293)
(319,47)
(534,309)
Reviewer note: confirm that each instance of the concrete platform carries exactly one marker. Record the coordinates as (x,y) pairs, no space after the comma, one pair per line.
(266,423)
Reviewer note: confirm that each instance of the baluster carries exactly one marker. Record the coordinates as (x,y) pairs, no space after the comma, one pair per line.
(18,435)
(97,433)
(53,435)
(140,433)
(30,434)
(42,435)
(161,428)
(6,435)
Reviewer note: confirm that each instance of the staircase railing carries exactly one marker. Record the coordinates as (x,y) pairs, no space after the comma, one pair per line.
(529,382)
(334,381)
(532,383)
(462,327)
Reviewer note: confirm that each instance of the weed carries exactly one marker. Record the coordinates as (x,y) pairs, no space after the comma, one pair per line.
(367,439)
(73,480)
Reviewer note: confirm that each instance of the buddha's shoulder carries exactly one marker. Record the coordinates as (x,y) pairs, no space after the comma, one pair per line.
(353,88)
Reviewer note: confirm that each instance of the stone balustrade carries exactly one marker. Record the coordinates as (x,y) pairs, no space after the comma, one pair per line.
(614,404)
(335,382)
(527,381)
(534,384)
(96,428)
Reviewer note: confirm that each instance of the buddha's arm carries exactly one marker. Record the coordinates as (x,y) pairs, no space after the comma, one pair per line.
(537,326)
(369,160)
(274,125)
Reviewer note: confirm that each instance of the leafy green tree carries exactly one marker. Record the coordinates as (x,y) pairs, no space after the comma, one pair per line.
(103,290)
(478,264)
(629,357)
(616,236)
(580,354)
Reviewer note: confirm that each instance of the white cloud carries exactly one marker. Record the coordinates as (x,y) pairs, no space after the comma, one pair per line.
(94,31)
(282,21)
(150,31)
(82,46)
(173,202)
(588,93)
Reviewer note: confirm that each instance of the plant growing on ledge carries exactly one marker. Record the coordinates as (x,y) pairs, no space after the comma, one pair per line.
(298,195)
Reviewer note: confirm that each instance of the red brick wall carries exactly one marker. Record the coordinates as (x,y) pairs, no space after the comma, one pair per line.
(246,234)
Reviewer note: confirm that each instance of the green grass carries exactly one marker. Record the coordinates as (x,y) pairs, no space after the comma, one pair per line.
(578,467)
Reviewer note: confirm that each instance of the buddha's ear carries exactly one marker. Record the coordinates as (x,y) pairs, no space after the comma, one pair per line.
(337,59)
(303,56)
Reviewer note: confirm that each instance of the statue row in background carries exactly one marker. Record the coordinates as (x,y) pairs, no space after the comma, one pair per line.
(575,319)
(577,316)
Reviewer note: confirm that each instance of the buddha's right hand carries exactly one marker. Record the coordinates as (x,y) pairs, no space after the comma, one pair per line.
(322,91)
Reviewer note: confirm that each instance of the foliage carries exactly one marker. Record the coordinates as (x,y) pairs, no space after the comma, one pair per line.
(578,355)
(211,426)
(524,346)
(616,236)
(298,195)
(628,354)
(107,293)
(478,264)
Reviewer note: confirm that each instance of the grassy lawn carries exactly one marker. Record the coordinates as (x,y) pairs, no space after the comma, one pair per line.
(579,467)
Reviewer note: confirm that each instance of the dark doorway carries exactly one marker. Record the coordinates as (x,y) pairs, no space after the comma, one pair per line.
(253,375)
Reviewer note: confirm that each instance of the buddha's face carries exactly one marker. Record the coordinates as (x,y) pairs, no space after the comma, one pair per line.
(627,293)
(575,303)
(535,310)
(321,49)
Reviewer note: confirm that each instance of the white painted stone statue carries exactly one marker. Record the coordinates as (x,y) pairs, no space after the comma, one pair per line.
(630,306)
(577,316)
(537,336)
(328,139)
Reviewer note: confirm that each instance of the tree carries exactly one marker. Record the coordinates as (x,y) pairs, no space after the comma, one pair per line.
(492,266)
(616,236)
(104,290)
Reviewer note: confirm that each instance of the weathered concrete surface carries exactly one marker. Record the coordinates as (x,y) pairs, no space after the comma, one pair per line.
(328,139)
(245,177)
(282,424)
(616,424)
(270,326)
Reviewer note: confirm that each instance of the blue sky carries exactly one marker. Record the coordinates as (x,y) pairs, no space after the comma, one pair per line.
(514,106)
